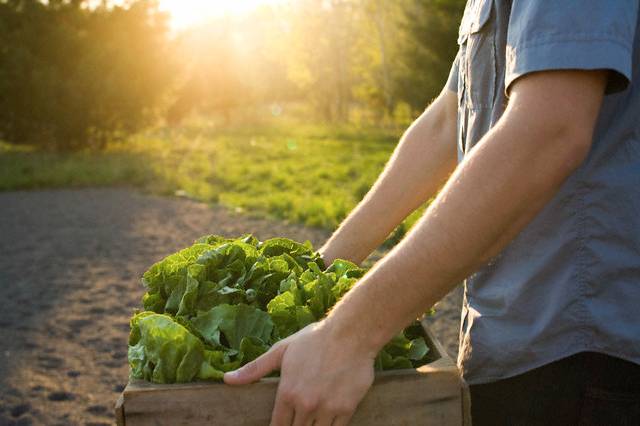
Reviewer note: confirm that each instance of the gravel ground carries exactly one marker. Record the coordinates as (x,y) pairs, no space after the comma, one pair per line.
(70,262)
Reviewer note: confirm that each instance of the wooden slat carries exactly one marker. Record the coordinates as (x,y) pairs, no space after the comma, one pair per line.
(446,360)
(430,395)
(119,410)
(435,345)
(466,404)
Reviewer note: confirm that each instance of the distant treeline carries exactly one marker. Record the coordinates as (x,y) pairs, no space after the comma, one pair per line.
(75,75)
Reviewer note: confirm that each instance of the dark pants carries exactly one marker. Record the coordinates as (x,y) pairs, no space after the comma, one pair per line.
(585,389)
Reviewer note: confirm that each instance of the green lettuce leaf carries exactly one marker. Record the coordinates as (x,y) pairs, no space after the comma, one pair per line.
(167,279)
(225,326)
(163,351)
(288,313)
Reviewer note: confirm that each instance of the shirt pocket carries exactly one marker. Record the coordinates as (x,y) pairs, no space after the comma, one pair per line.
(477,68)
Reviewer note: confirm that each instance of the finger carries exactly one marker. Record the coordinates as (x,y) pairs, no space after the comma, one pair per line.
(303,418)
(341,420)
(282,414)
(323,420)
(256,369)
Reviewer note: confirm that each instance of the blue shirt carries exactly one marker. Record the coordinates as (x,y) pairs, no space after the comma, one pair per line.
(570,281)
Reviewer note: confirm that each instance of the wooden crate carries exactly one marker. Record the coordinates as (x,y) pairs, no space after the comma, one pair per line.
(433,394)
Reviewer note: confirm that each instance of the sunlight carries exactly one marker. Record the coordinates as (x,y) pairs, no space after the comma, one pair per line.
(185,13)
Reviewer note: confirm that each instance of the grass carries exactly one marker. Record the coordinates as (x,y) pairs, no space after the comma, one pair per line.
(26,168)
(308,174)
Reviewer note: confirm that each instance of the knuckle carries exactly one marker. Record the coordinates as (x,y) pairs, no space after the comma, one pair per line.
(307,403)
(281,344)
(287,396)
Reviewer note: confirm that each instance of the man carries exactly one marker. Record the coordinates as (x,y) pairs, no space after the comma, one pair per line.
(541,215)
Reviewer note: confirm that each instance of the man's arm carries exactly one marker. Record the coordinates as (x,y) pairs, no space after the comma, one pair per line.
(543,136)
(513,172)
(419,166)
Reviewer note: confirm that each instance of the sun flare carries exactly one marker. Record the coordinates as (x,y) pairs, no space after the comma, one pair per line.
(185,13)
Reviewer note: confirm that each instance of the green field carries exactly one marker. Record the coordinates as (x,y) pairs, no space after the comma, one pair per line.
(312,175)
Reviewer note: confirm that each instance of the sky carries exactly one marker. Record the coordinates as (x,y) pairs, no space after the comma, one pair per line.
(185,13)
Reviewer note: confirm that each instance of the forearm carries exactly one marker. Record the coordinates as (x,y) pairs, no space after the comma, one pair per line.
(419,166)
(505,181)
(542,137)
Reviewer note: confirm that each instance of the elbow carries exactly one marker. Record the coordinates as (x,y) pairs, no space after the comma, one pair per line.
(562,106)
(574,145)
(552,140)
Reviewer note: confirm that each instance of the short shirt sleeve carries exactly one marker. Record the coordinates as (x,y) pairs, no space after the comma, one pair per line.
(572,34)
(452,81)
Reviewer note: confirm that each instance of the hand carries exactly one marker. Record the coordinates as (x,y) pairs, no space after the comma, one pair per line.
(323,378)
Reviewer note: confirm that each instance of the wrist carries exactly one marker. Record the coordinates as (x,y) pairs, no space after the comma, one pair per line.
(326,256)
(342,248)
(352,336)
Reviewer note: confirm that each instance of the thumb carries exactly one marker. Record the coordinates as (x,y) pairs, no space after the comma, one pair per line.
(256,369)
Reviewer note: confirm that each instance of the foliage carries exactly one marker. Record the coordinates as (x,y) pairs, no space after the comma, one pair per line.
(373,54)
(23,167)
(324,45)
(231,63)
(222,302)
(72,77)
(312,175)
(430,29)
(78,73)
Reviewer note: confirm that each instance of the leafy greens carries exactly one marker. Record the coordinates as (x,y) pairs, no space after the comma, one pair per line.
(223,302)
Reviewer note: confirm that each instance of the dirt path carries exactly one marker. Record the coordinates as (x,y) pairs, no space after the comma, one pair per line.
(70,262)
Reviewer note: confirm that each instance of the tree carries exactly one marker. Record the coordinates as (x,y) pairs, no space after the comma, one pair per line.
(232,62)
(429,46)
(324,44)
(72,76)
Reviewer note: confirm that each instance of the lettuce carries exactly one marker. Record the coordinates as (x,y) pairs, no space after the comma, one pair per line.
(226,325)
(223,302)
(163,351)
